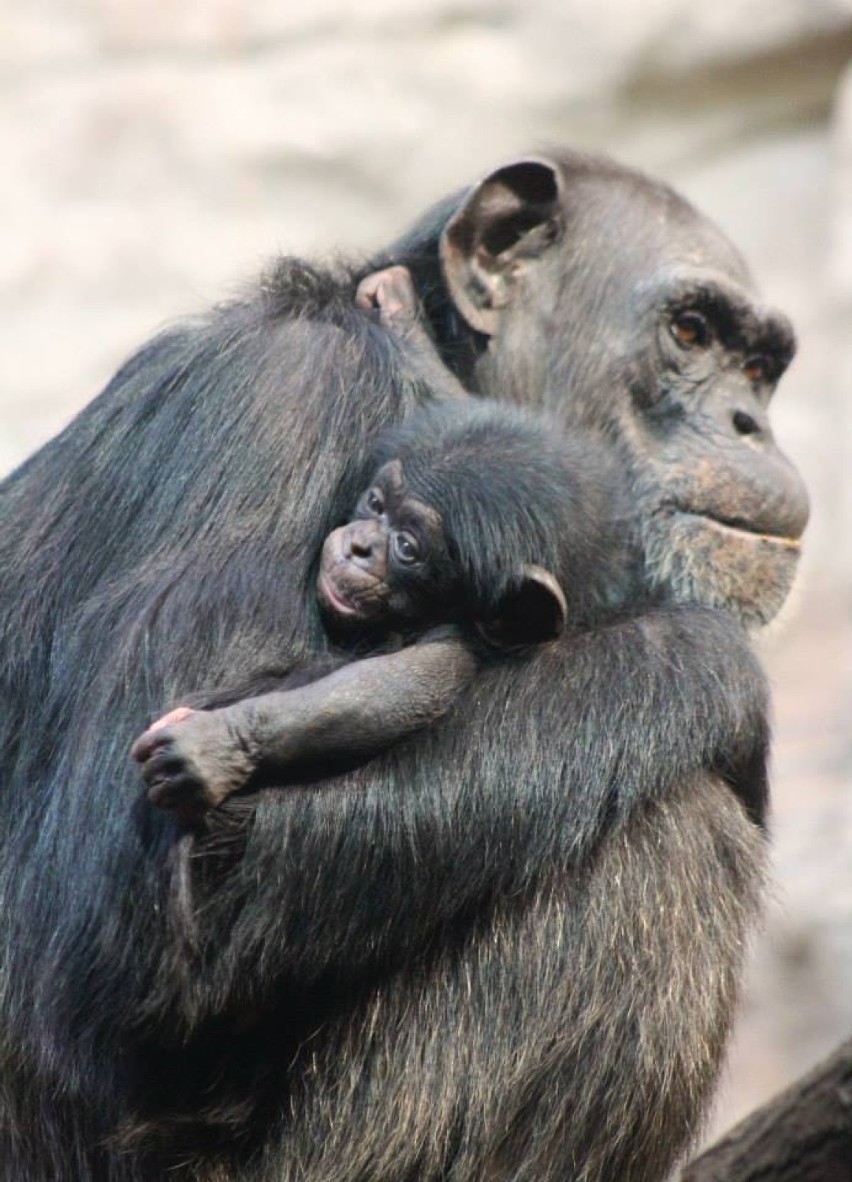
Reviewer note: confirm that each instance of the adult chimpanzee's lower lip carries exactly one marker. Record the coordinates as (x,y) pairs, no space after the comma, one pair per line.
(742,530)
(341,606)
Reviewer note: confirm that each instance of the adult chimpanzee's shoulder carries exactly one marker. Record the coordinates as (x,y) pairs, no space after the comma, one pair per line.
(295,287)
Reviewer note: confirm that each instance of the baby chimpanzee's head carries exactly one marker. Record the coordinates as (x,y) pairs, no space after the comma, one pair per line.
(477,513)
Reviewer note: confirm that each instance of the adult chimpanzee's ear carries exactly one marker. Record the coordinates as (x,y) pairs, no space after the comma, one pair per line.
(509,218)
(533,611)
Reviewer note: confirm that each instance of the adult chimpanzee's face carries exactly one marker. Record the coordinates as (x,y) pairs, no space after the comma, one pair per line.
(723,510)
(380,569)
(631,313)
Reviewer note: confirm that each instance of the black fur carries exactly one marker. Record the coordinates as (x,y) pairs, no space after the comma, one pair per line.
(508,949)
(513,489)
(482,530)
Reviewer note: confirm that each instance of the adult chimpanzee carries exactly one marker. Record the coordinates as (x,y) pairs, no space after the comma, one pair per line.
(505,949)
(477,517)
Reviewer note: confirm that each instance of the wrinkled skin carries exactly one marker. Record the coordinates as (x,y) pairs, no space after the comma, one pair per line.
(683,360)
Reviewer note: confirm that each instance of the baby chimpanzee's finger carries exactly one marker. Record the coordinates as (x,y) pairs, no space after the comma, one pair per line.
(162,764)
(179,714)
(172,791)
(149,739)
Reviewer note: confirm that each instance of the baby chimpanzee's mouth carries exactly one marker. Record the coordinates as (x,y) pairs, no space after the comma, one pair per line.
(332,597)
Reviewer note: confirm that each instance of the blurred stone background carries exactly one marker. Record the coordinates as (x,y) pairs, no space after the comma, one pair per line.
(154,152)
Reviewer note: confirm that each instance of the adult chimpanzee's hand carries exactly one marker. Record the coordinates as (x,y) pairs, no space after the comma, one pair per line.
(192,760)
(390,292)
(391,296)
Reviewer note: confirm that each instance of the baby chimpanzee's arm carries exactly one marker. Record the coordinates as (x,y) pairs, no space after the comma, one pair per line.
(192,760)
(391,293)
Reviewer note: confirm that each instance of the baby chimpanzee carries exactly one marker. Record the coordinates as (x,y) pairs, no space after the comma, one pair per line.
(479,517)
(482,530)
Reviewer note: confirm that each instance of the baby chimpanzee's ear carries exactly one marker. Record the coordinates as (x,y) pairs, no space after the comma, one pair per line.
(532,611)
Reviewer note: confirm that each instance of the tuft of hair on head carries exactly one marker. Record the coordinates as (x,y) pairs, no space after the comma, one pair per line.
(514,492)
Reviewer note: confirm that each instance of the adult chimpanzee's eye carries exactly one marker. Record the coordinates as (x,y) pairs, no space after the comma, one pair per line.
(375,502)
(757,369)
(406,548)
(691,330)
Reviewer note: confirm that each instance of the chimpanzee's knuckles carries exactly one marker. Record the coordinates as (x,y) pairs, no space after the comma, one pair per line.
(168,759)
(366,292)
(392,293)
(143,747)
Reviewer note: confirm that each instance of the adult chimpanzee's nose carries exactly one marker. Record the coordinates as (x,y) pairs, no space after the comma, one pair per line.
(747,423)
(749,480)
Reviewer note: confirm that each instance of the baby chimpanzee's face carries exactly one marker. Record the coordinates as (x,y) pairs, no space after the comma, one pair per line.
(388,566)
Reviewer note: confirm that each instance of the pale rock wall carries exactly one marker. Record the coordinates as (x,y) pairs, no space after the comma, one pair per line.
(156,151)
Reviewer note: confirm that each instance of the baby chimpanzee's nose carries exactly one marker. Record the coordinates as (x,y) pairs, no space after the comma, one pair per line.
(365,543)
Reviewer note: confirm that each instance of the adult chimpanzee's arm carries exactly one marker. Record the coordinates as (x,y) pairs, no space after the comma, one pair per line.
(336,721)
(585,736)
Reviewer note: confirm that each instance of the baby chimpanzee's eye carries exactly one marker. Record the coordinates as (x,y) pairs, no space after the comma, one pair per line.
(375,502)
(406,548)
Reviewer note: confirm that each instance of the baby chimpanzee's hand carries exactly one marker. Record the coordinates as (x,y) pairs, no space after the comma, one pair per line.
(191,760)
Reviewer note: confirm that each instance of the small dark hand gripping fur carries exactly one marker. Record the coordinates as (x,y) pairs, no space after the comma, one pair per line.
(506,949)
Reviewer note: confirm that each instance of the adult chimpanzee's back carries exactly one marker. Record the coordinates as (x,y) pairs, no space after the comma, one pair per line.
(508,948)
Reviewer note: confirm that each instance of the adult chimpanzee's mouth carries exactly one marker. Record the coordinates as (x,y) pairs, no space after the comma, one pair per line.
(739,528)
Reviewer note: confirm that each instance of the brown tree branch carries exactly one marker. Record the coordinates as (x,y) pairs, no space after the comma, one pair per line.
(803,1135)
